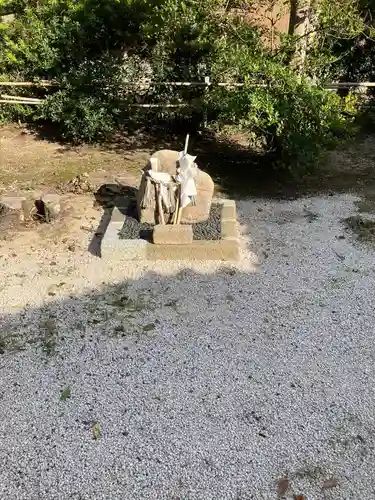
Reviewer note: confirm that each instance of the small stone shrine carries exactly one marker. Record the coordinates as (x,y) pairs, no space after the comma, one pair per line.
(175,209)
(174,190)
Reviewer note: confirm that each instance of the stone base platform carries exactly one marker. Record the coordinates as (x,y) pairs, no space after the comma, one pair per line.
(225,249)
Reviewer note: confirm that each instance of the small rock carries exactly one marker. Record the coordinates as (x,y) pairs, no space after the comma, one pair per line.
(282,487)
(96,431)
(12,204)
(52,207)
(330,483)
(72,247)
(28,208)
(149,327)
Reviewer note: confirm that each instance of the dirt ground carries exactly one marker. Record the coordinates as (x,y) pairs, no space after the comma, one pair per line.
(32,165)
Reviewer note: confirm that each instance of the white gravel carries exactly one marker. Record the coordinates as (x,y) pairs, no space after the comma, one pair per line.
(212,382)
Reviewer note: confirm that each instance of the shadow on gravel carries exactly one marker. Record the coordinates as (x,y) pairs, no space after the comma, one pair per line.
(169,378)
(150,297)
(86,376)
(108,197)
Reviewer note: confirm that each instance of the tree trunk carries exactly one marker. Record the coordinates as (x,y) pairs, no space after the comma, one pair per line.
(300,26)
(293,16)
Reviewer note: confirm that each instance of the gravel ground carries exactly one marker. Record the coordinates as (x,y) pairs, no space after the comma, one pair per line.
(207,381)
(207,230)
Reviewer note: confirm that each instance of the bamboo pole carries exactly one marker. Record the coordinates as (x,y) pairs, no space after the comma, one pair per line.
(175,215)
(9,99)
(3,101)
(20,98)
(160,204)
(42,83)
(186,144)
(179,210)
(179,215)
(182,105)
(350,84)
(45,83)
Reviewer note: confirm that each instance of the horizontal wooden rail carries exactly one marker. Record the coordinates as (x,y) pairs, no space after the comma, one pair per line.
(48,83)
(40,101)
(6,101)
(42,83)
(350,84)
(10,99)
(19,98)
(206,83)
(182,105)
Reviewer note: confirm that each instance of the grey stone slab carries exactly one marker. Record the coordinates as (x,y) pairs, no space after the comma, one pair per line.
(113,248)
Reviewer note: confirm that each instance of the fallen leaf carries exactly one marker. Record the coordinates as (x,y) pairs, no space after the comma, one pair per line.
(299,497)
(88,229)
(65,394)
(282,487)
(96,431)
(149,327)
(330,483)
(340,257)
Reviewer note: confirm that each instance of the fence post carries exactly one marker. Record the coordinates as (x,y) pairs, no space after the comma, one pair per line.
(206,90)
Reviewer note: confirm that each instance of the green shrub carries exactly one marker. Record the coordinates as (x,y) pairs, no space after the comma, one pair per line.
(82,45)
(294,120)
(296,126)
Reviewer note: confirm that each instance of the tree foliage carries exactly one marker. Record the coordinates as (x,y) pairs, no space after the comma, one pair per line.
(101,51)
(355,57)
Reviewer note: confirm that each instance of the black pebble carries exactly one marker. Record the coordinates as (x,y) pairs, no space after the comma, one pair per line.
(207,230)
